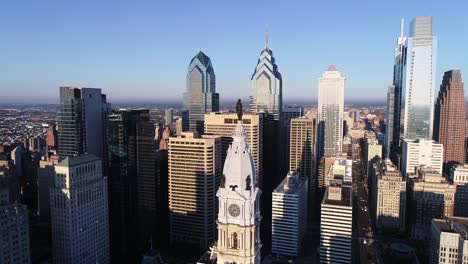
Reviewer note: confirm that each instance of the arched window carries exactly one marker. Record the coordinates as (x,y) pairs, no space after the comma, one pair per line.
(234,240)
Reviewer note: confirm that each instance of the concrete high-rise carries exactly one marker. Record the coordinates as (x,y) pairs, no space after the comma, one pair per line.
(419,79)
(201,96)
(449,118)
(223,125)
(330,112)
(289,217)
(336,225)
(420,152)
(449,241)
(82,122)
(394,99)
(430,196)
(194,176)
(45,181)
(132,183)
(80,226)
(266,86)
(14,228)
(303,139)
(388,197)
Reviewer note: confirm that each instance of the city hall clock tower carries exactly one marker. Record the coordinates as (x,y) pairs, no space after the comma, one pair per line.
(239,204)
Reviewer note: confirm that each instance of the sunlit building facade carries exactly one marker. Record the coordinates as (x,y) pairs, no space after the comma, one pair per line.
(201,96)
(419,79)
(266,86)
(330,112)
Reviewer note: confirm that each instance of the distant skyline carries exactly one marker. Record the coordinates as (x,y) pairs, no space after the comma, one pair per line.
(140,51)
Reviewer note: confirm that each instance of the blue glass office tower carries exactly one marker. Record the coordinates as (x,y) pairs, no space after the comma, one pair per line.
(82,122)
(201,96)
(394,98)
(419,79)
(266,86)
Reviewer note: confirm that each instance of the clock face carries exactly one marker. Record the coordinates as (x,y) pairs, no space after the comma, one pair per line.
(234,210)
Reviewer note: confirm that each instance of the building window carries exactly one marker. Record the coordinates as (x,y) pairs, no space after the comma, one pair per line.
(234,241)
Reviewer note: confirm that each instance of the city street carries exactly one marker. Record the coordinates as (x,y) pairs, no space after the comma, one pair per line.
(363,235)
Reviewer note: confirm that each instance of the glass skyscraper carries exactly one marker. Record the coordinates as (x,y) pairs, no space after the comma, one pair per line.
(266,86)
(82,122)
(201,96)
(392,141)
(419,79)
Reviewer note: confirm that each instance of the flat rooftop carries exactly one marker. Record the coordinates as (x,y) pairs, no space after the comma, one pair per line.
(453,225)
(345,198)
(291,188)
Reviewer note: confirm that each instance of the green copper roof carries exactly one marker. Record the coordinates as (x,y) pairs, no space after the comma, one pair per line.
(76,160)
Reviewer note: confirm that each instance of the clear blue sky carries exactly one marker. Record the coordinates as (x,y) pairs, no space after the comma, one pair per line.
(141,49)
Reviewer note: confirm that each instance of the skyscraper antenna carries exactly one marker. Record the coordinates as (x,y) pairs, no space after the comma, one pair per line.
(266,37)
(402,25)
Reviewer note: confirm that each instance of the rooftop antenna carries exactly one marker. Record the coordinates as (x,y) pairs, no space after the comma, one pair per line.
(266,37)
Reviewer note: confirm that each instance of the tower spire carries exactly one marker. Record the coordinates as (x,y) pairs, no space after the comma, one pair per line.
(402,25)
(266,37)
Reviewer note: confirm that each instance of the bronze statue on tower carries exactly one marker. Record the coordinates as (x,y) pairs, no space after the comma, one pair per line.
(239,110)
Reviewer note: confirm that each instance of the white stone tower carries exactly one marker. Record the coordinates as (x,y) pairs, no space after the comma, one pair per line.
(239,204)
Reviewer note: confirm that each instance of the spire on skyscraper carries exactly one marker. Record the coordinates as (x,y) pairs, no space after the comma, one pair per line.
(402,25)
(266,37)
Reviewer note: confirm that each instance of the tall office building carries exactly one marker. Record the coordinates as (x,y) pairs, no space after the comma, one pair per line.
(45,181)
(449,240)
(388,196)
(394,98)
(51,138)
(132,183)
(201,96)
(466,142)
(330,112)
(82,122)
(419,83)
(223,125)
(290,112)
(420,152)
(289,217)
(80,226)
(449,118)
(303,139)
(14,228)
(431,196)
(168,116)
(194,176)
(266,86)
(459,177)
(372,153)
(336,225)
